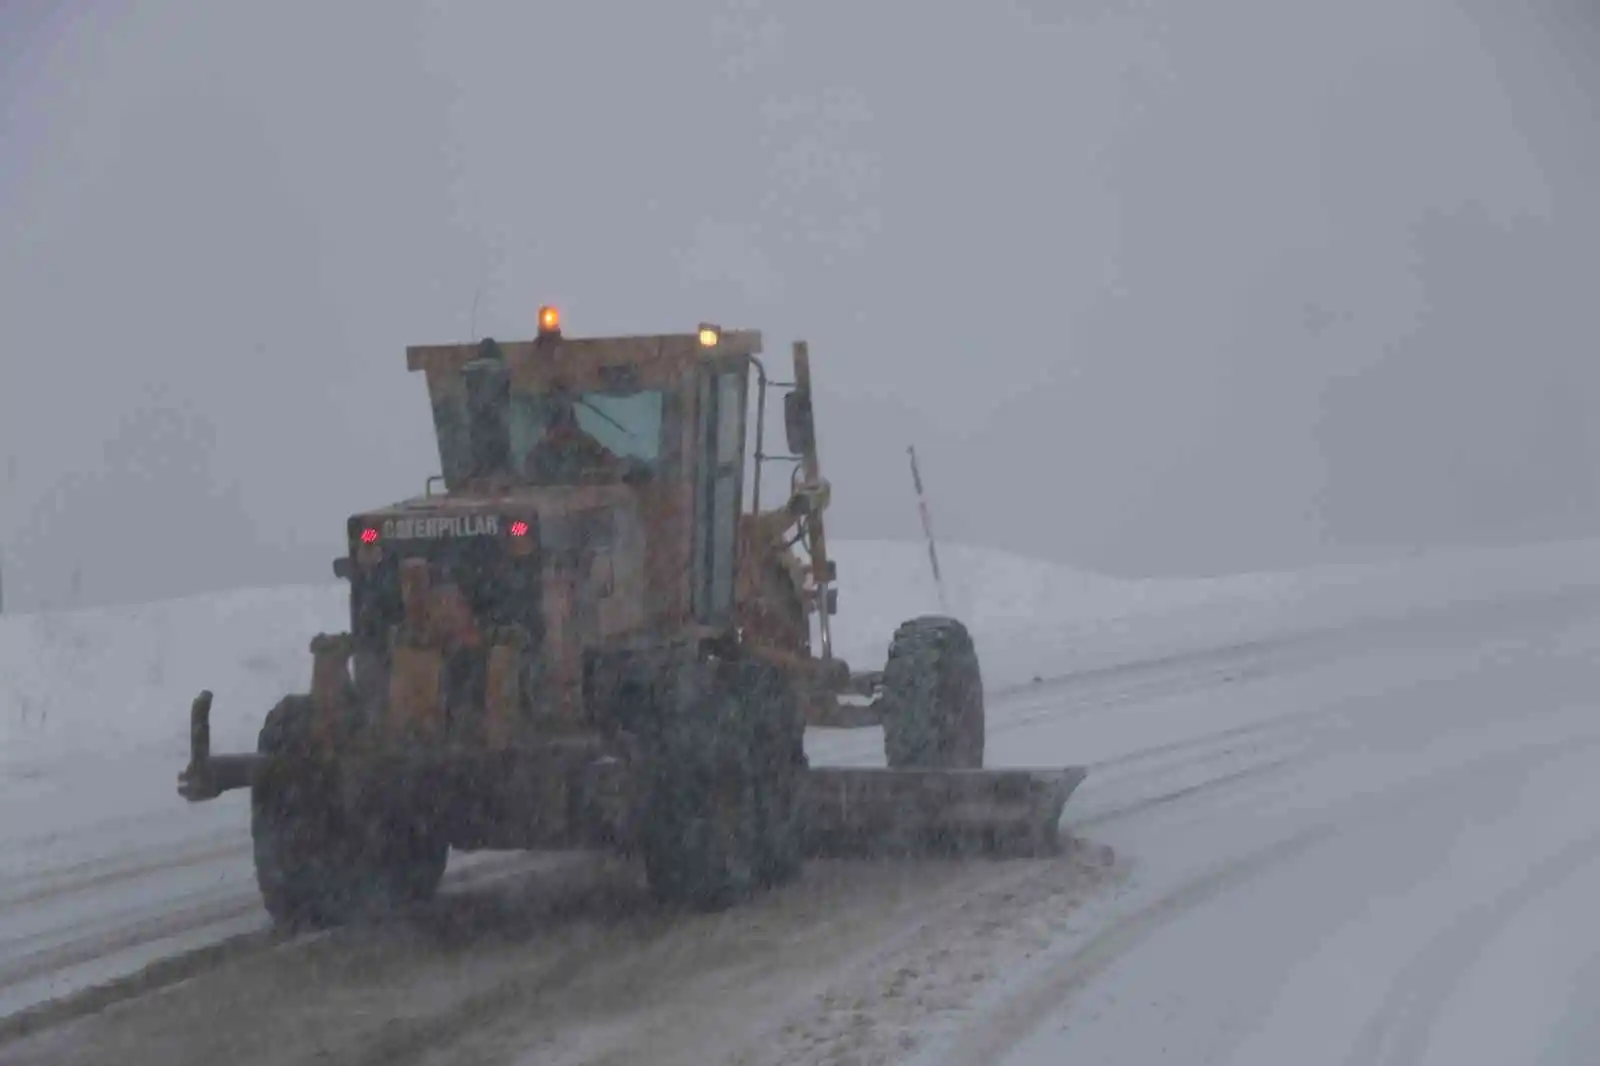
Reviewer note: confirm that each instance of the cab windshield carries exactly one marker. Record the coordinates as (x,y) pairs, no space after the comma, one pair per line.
(572,437)
(493,429)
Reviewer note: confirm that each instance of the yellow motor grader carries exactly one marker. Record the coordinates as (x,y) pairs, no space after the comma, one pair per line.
(593,635)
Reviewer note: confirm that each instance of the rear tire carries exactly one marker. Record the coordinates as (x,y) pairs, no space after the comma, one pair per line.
(932,701)
(318,864)
(722,820)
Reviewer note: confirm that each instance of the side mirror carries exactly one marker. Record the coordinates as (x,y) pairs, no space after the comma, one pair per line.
(797,422)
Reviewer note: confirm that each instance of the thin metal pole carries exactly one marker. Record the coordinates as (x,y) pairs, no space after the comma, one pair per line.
(927,528)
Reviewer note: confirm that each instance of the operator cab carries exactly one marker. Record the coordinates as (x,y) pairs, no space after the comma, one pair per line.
(558,412)
(593,485)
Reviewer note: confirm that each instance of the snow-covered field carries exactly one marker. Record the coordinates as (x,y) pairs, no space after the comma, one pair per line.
(1332,846)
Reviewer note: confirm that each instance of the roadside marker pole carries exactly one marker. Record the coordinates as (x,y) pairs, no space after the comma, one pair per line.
(927,528)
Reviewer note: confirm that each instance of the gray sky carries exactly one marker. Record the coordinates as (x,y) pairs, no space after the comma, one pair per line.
(1156,287)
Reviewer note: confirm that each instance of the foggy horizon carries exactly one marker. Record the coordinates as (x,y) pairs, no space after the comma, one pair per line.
(1154,290)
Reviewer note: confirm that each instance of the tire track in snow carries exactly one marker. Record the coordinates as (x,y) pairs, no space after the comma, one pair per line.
(42,962)
(1132,808)
(1288,723)
(1269,658)
(593,976)
(123,932)
(1284,742)
(105,944)
(1321,640)
(90,874)
(731,998)
(1020,1013)
(1017,1016)
(1399,1033)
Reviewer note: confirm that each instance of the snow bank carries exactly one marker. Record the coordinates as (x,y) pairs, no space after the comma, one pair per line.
(1039,619)
(116,680)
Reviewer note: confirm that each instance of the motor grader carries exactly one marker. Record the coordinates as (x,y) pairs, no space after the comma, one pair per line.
(588,637)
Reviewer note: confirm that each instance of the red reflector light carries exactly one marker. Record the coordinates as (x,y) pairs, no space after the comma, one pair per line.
(369,536)
(519,529)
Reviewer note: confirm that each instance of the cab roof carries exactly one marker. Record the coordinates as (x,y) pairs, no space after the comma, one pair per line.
(559,352)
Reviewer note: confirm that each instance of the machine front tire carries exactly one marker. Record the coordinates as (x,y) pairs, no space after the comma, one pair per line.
(932,700)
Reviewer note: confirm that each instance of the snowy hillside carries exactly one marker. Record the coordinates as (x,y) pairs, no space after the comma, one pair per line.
(1032,618)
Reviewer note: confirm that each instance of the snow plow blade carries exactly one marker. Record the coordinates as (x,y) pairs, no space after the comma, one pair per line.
(874,812)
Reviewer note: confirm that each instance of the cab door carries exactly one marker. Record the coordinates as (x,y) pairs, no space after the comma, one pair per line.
(718,487)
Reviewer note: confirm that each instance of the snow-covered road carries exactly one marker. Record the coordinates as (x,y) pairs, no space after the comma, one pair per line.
(1384,864)
(1360,844)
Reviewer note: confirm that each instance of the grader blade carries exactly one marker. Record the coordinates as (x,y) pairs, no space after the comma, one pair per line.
(876,812)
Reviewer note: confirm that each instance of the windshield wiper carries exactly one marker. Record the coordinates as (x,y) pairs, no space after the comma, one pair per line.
(620,427)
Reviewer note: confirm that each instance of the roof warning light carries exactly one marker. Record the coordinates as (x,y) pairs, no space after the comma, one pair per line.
(549,321)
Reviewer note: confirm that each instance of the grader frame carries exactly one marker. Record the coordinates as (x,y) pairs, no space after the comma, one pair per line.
(630,666)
